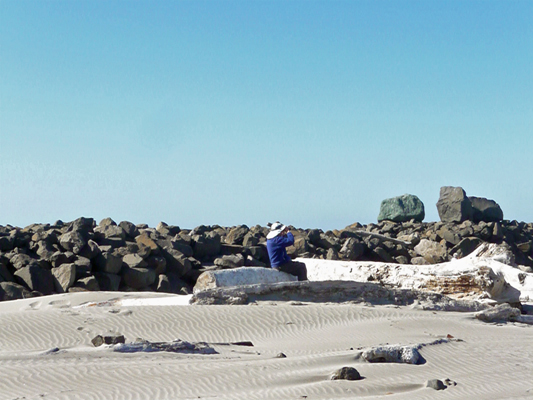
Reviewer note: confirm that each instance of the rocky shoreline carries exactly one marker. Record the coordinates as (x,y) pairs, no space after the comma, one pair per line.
(81,255)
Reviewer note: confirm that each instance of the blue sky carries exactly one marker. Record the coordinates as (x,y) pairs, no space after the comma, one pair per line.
(232,112)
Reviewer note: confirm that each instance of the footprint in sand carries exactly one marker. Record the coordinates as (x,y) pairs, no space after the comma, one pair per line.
(36,305)
(59,304)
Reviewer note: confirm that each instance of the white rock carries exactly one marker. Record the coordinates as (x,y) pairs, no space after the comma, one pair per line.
(240,276)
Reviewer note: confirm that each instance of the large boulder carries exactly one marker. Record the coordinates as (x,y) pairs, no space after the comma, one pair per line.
(432,252)
(239,277)
(64,277)
(36,278)
(485,210)
(138,278)
(206,245)
(453,205)
(402,209)
(13,291)
(73,241)
(236,235)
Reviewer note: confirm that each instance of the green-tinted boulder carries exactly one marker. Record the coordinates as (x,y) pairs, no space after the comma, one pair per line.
(402,209)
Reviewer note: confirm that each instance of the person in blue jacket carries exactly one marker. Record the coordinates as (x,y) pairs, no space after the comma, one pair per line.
(278,239)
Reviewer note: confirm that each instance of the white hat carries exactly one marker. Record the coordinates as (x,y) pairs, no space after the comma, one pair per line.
(275,230)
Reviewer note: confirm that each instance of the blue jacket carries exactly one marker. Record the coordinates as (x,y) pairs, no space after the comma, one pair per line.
(276,249)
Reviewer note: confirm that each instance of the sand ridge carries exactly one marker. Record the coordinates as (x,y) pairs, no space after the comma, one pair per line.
(46,351)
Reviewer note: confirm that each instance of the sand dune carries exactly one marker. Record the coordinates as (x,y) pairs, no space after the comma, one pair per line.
(46,351)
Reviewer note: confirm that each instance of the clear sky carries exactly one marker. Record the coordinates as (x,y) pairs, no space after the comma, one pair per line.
(248,112)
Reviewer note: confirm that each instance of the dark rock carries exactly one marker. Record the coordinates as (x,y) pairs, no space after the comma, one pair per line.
(230,261)
(36,278)
(91,250)
(236,235)
(134,261)
(7,243)
(145,240)
(72,241)
(453,205)
(435,384)
(171,284)
(109,231)
(485,210)
(5,273)
(138,278)
(281,355)
(100,340)
(228,249)
(383,255)
(346,373)
(84,267)
(448,234)
(64,277)
(176,261)
(13,291)
(157,263)
(83,225)
(89,283)
(402,209)
(108,262)
(465,247)
(300,245)
(252,262)
(59,258)
(21,260)
(352,249)
(108,282)
(251,239)
(206,245)
(107,222)
(129,229)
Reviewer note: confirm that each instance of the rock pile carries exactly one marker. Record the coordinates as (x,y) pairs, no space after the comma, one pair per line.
(84,256)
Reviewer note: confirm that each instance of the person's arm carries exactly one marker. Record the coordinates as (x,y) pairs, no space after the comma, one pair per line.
(287,240)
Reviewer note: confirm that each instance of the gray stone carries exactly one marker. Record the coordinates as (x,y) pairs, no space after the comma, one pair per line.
(171,283)
(500,313)
(177,262)
(402,209)
(64,277)
(465,247)
(36,278)
(485,210)
(206,245)
(111,231)
(432,252)
(13,291)
(435,384)
(108,262)
(89,283)
(108,282)
(99,340)
(230,261)
(84,267)
(91,251)
(346,373)
(72,241)
(107,222)
(352,249)
(134,261)
(138,278)
(453,205)
(236,235)
(21,260)
(129,229)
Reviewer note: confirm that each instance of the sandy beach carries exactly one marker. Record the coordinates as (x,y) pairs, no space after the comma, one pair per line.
(46,350)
